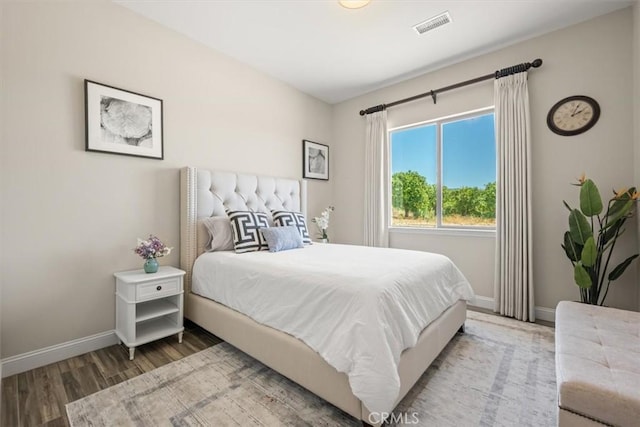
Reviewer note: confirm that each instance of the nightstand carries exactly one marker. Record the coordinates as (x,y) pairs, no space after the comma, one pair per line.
(148,306)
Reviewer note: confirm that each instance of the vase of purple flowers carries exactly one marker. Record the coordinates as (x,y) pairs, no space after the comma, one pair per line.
(151,265)
(149,250)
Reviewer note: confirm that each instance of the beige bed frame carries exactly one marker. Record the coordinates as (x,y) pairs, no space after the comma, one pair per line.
(278,350)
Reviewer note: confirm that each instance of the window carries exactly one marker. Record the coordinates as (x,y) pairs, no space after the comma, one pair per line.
(443,173)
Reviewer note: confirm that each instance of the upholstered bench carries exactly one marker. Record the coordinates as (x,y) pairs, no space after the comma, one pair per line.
(597,365)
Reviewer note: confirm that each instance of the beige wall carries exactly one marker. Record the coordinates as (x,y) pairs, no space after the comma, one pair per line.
(636,80)
(70,218)
(593,58)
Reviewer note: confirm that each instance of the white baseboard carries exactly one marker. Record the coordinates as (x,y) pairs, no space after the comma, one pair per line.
(542,313)
(482,302)
(55,353)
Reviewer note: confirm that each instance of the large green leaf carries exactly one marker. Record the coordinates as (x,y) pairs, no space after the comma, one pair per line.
(590,200)
(581,276)
(617,205)
(589,253)
(620,268)
(579,227)
(619,209)
(620,204)
(627,195)
(572,249)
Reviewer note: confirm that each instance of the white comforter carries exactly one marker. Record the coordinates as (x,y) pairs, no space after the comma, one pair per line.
(358,307)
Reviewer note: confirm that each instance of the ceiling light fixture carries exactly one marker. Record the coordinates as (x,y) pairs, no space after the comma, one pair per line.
(353,4)
(433,23)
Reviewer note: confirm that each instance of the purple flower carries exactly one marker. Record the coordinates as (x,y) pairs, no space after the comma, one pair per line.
(151,248)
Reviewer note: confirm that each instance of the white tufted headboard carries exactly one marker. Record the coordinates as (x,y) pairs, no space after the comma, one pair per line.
(205,193)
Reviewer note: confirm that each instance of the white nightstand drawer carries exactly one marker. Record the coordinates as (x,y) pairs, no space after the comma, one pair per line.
(157,289)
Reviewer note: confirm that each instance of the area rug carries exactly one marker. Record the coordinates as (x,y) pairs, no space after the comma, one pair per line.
(500,372)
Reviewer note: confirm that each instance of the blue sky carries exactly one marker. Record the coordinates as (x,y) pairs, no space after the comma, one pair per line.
(468,153)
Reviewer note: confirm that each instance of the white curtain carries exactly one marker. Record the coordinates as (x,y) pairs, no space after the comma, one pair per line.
(376,181)
(513,289)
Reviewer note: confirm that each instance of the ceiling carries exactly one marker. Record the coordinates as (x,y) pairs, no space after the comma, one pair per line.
(334,53)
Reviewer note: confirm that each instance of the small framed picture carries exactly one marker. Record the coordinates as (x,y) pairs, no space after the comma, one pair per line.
(121,122)
(315,160)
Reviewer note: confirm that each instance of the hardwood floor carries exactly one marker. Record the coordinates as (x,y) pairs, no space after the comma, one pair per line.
(38,397)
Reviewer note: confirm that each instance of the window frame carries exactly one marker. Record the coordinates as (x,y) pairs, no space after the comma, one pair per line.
(439,228)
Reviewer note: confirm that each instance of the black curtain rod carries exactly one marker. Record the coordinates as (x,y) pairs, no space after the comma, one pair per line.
(433,93)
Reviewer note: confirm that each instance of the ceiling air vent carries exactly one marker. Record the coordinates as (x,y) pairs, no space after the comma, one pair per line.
(432,23)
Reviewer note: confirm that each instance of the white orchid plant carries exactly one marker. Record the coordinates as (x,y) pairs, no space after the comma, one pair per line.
(322,222)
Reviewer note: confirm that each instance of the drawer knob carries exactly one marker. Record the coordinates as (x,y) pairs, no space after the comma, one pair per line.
(158,288)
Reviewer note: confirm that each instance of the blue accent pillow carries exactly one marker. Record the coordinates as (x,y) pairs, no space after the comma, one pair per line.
(246,228)
(285,218)
(282,238)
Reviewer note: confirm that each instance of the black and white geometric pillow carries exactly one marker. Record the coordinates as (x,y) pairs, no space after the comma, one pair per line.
(246,231)
(285,218)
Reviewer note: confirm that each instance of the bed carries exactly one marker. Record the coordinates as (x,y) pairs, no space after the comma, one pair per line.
(207,193)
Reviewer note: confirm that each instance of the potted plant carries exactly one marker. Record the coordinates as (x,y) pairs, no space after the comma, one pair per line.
(322,222)
(592,236)
(149,250)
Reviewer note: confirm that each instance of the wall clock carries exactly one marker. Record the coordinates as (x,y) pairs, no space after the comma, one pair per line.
(573,115)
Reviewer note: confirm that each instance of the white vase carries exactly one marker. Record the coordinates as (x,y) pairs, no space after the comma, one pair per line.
(325,240)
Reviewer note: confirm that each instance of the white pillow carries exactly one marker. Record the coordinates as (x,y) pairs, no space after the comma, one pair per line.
(220,234)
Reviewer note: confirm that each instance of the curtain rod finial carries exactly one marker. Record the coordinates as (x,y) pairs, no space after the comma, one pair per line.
(375,109)
(536,63)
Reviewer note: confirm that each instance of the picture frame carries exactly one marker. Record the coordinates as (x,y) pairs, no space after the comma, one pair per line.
(119,121)
(315,160)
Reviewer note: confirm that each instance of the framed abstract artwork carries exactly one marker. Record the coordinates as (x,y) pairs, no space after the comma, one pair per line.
(122,122)
(315,160)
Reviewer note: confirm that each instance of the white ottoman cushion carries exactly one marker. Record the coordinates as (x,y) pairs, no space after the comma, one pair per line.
(598,362)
